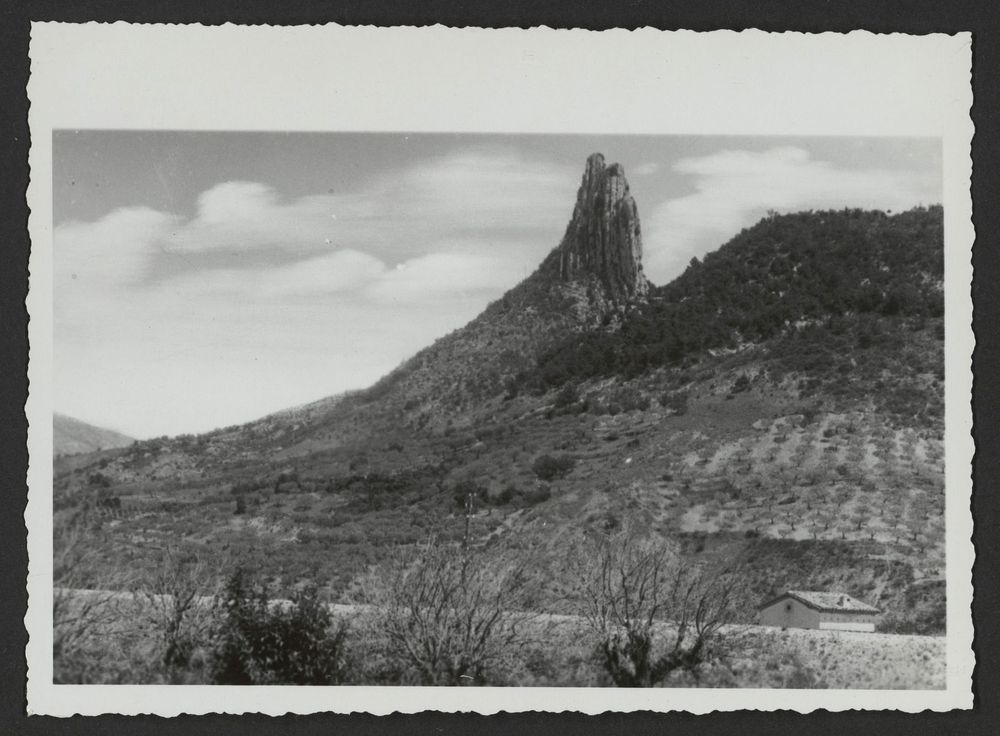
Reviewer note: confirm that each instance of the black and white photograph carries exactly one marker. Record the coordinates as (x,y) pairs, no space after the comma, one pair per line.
(400,408)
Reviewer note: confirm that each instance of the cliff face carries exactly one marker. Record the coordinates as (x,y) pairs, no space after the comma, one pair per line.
(604,238)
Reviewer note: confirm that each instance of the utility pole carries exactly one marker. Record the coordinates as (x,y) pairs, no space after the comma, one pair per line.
(470,507)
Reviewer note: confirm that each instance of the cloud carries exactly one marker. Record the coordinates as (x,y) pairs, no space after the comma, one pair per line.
(333,273)
(444,275)
(112,251)
(239,217)
(646,169)
(389,216)
(733,189)
(492,205)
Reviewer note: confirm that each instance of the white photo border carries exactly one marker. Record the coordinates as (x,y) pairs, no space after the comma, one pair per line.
(437,79)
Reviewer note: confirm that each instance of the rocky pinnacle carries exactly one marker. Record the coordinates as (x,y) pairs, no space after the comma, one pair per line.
(604,238)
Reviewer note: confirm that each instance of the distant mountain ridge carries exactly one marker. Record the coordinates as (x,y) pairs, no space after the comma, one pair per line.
(72,437)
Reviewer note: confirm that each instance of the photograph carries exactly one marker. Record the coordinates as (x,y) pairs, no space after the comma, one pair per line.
(397,409)
(408,409)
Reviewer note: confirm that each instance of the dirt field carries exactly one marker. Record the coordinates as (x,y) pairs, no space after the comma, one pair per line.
(848,659)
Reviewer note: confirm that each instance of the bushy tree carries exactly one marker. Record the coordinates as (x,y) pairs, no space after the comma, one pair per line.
(259,641)
(550,467)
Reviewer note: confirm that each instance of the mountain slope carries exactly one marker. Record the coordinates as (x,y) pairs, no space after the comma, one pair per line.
(843,269)
(71,436)
(780,402)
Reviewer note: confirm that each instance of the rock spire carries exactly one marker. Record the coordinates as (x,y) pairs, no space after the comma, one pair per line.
(604,238)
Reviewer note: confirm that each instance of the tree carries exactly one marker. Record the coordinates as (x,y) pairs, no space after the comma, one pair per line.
(862,515)
(549,467)
(450,615)
(84,608)
(652,613)
(259,641)
(170,601)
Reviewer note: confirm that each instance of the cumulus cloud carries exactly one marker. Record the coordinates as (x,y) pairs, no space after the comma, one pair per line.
(112,251)
(239,217)
(391,215)
(491,205)
(734,188)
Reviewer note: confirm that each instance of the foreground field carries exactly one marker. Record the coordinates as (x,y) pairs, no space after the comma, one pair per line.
(123,645)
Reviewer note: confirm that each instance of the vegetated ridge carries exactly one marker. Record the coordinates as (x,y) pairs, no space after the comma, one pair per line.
(780,402)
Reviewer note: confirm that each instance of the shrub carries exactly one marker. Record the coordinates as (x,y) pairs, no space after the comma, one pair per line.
(108,501)
(549,467)
(262,642)
(505,496)
(568,395)
(676,401)
(538,495)
(462,491)
(99,480)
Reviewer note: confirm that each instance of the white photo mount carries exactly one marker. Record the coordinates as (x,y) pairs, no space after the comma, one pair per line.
(323,78)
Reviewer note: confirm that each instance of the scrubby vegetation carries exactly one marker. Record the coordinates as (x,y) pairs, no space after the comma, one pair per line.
(454,619)
(845,271)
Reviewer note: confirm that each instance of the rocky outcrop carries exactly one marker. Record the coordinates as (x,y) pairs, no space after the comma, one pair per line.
(604,238)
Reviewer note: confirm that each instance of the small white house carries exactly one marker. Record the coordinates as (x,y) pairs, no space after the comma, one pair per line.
(803,609)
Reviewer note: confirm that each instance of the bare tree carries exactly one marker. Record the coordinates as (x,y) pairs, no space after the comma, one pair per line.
(651,612)
(84,608)
(174,600)
(450,614)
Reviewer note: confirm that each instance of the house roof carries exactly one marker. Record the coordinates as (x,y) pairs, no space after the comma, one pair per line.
(823,601)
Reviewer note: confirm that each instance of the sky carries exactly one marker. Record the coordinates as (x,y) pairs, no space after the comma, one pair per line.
(204,279)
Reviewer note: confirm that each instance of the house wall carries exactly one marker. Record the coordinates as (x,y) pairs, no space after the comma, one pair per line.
(847,626)
(847,621)
(789,613)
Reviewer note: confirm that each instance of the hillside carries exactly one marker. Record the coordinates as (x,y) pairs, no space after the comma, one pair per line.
(844,272)
(71,436)
(781,402)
